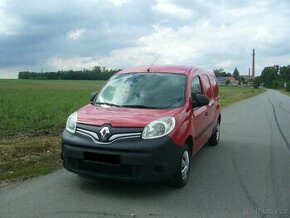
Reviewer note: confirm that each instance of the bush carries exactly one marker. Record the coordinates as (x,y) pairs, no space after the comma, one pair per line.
(288,86)
(256,82)
(278,84)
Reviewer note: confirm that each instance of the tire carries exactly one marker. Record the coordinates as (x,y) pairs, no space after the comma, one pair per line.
(182,170)
(215,138)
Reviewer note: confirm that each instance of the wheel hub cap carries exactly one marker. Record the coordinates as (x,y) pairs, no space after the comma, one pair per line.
(185,165)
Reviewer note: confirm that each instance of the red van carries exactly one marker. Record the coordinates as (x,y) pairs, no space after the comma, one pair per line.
(145,124)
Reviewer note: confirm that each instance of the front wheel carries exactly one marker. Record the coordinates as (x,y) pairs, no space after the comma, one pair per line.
(182,173)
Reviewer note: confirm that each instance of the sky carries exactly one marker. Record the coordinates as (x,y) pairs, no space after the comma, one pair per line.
(41,35)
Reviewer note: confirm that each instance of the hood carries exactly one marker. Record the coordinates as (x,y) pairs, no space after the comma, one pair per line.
(121,117)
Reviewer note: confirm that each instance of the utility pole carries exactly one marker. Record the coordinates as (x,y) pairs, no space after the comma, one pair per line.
(253,64)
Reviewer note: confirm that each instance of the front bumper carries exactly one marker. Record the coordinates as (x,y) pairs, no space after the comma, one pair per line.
(131,159)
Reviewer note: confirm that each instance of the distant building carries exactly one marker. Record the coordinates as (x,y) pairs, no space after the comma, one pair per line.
(247,77)
(233,81)
(222,80)
(227,80)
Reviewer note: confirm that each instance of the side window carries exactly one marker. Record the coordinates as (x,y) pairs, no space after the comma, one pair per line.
(214,86)
(196,86)
(207,86)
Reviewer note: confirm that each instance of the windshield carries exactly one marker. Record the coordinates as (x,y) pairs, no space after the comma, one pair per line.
(144,90)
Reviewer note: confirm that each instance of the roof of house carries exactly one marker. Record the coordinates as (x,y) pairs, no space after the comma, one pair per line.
(231,78)
(222,79)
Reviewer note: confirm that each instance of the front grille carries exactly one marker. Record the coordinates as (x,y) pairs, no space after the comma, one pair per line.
(114,133)
(123,170)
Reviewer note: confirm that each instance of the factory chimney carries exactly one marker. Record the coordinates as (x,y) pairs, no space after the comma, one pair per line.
(253,64)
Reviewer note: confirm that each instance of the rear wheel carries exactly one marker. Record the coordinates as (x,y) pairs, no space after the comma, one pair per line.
(182,173)
(214,139)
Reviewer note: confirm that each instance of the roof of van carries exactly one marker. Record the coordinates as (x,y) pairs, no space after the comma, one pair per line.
(165,68)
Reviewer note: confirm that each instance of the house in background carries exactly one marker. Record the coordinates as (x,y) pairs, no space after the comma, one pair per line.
(227,80)
(222,80)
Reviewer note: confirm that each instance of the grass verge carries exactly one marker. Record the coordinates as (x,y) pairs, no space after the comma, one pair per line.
(24,157)
(33,113)
(284,92)
(232,94)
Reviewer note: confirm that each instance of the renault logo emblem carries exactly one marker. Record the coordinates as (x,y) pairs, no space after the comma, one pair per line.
(105,132)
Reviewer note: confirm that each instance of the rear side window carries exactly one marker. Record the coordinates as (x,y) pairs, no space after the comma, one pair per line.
(196,86)
(207,86)
(215,89)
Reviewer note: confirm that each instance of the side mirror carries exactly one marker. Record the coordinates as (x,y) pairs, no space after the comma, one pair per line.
(199,100)
(93,96)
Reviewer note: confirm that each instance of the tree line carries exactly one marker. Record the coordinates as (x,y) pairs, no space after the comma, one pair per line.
(271,77)
(275,77)
(236,74)
(97,73)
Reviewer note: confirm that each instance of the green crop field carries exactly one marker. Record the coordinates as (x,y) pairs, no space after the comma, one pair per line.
(38,107)
(33,114)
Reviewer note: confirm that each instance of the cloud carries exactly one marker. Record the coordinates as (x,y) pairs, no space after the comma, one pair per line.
(119,2)
(227,44)
(8,26)
(75,34)
(2,16)
(170,9)
(173,46)
(120,33)
(71,63)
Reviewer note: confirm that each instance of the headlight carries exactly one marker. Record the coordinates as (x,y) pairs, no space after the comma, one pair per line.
(158,128)
(71,123)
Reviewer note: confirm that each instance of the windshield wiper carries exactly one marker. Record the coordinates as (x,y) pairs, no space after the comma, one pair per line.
(109,104)
(139,106)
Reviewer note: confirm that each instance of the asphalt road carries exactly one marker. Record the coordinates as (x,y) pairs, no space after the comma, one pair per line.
(247,175)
